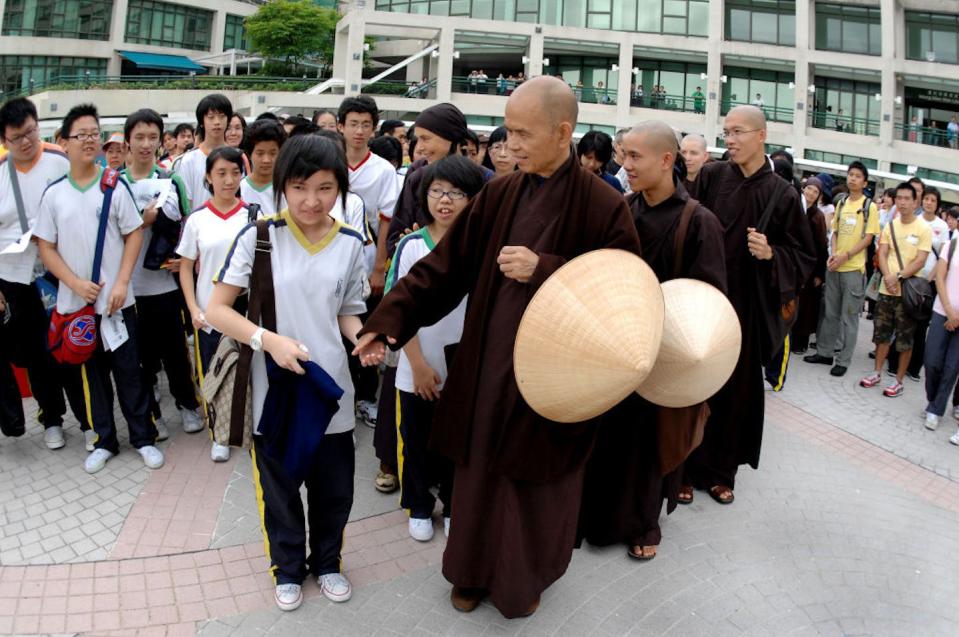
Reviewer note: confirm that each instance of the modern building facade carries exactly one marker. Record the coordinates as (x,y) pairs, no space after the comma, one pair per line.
(837,79)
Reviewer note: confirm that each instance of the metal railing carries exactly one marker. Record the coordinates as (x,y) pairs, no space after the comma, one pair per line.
(844,123)
(773,113)
(928,135)
(668,102)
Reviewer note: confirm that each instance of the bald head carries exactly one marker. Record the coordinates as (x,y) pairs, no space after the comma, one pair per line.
(552,96)
(694,140)
(649,156)
(694,152)
(657,136)
(750,115)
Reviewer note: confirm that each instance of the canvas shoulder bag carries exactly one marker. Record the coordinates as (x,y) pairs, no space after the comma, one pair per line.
(916,291)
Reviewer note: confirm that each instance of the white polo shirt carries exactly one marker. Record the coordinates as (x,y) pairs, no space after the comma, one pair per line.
(314,283)
(433,338)
(70,218)
(262,196)
(207,237)
(191,167)
(50,164)
(374,180)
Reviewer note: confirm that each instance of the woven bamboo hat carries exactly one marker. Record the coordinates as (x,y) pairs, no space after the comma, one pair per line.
(589,336)
(700,347)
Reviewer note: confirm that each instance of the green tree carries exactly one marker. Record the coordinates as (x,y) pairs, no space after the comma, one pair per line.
(293,30)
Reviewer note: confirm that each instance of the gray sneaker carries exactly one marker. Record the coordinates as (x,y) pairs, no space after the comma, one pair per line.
(163,433)
(90,439)
(53,437)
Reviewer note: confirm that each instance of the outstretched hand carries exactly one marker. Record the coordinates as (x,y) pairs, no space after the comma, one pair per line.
(371,350)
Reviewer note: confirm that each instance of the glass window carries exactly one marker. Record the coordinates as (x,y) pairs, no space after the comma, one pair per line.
(80,19)
(574,13)
(36,71)
(163,24)
(851,29)
(772,87)
(235,34)
(932,34)
(771,21)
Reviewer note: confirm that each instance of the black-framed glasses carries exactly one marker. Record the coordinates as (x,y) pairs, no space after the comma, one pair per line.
(439,193)
(30,135)
(84,137)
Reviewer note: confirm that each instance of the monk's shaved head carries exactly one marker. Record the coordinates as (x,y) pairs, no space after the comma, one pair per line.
(554,98)
(750,115)
(658,136)
(694,140)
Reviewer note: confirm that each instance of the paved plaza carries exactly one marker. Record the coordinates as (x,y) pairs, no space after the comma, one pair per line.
(850,527)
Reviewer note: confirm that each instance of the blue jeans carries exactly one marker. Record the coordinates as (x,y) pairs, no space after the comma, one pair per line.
(942,364)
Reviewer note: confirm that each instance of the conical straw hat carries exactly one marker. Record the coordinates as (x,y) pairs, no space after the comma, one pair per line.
(589,336)
(701,341)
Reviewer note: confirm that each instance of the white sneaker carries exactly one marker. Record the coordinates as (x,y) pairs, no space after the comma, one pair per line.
(367,411)
(335,586)
(955,438)
(421,530)
(932,421)
(152,457)
(767,386)
(90,439)
(53,437)
(219,453)
(288,596)
(162,432)
(96,460)
(446,526)
(192,420)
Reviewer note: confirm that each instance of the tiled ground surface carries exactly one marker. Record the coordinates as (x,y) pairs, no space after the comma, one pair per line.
(851,527)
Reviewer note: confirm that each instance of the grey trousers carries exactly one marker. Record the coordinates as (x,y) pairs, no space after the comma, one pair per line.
(842,299)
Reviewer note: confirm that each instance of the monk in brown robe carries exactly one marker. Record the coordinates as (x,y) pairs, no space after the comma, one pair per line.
(634,465)
(519,477)
(781,260)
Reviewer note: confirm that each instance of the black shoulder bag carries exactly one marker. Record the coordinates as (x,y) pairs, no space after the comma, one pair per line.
(916,291)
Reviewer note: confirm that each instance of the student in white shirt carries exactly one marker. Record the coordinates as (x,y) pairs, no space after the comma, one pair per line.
(318,286)
(207,237)
(262,145)
(67,228)
(157,295)
(213,113)
(446,189)
(23,321)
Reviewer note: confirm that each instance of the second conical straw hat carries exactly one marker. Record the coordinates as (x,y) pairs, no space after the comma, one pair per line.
(701,341)
(589,336)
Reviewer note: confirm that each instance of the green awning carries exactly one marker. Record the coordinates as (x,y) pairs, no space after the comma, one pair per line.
(159,61)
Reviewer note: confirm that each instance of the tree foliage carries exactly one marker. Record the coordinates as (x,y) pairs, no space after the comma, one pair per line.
(293,30)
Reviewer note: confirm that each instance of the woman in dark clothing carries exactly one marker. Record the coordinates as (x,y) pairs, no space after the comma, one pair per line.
(811,296)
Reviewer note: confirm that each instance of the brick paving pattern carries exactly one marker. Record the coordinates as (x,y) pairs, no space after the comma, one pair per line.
(850,527)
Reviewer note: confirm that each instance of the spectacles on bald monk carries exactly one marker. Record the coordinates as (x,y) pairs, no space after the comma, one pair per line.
(736,133)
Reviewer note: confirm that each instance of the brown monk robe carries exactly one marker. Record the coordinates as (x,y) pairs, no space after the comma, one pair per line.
(519,477)
(634,464)
(737,192)
(810,300)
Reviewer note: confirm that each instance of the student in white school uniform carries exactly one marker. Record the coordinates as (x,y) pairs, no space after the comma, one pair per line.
(67,229)
(23,321)
(262,145)
(213,113)
(353,212)
(157,295)
(207,236)
(446,189)
(318,276)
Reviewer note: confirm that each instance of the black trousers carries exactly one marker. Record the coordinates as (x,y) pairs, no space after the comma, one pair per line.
(420,468)
(164,345)
(23,342)
(329,496)
(89,384)
(775,371)
(384,437)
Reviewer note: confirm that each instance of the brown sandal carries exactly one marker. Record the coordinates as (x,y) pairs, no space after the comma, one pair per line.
(716,493)
(385,482)
(685,495)
(642,556)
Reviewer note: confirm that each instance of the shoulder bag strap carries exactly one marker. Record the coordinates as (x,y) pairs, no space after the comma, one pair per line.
(867,204)
(109,186)
(767,215)
(679,240)
(895,244)
(18,197)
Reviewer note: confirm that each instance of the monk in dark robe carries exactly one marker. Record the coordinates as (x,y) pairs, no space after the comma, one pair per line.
(519,477)
(629,473)
(781,260)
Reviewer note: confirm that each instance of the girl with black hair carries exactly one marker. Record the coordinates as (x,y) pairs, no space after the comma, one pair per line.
(317,266)
(213,115)
(206,238)
(498,158)
(235,131)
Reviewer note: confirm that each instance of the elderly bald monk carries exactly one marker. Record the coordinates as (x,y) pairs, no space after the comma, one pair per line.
(636,463)
(518,477)
(778,261)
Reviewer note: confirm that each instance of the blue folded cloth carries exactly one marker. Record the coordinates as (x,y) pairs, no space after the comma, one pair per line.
(296,413)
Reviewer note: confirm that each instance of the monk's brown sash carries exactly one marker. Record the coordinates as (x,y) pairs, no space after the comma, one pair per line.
(680,430)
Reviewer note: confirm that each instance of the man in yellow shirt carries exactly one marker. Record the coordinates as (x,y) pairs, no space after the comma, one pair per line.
(914,239)
(854,226)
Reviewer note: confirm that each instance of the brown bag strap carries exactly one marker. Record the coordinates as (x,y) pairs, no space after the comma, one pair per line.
(261,306)
(680,237)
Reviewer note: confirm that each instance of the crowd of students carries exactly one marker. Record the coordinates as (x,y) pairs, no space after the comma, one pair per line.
(360,222)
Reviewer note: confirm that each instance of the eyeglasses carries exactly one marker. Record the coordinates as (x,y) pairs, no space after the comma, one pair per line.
(360,125)
(29,135)
(84,137)
(439,193)
(736,134)
(498,147)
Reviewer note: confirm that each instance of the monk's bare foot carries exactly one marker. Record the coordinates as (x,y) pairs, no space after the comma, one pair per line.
(466,600)
(532,608)
(685,495)
(643,553)
(722,494)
